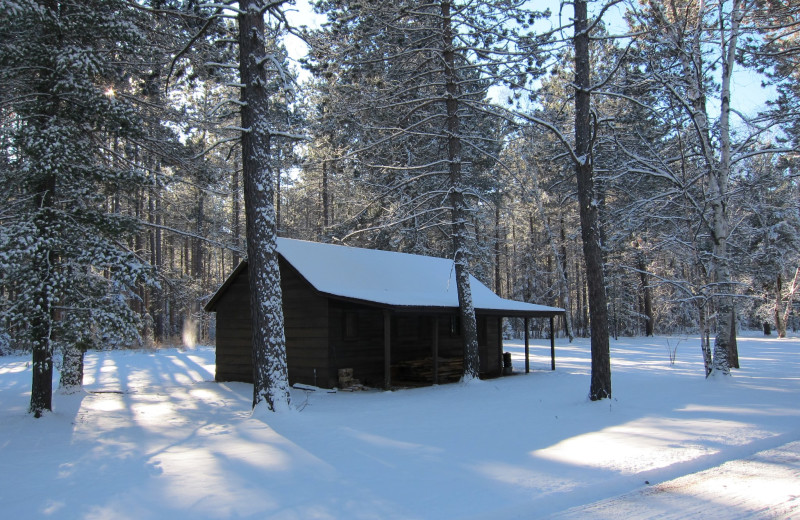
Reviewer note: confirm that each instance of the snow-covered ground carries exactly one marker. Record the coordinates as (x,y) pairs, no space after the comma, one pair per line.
(154,437)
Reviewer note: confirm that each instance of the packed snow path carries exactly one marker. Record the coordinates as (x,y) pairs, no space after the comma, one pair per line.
(154,437)
(758,487)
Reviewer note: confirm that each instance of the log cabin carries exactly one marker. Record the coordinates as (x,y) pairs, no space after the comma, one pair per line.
(387,319)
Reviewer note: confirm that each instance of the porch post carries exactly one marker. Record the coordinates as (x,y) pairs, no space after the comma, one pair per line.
(387,349)
(552,344)
(435,350)
(527,348)
(499,345)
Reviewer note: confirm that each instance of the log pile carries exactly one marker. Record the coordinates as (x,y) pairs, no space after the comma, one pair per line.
(421,370)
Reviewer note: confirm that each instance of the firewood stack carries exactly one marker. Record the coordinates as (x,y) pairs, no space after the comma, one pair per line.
(421,370)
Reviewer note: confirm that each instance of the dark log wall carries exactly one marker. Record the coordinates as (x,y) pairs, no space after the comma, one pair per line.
(305,314)
(234,337)
(306,324)
(323,335)
(489,345)
(356,341)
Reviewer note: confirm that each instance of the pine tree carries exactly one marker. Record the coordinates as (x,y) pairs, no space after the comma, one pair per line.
(270,371)
(67,278)
(691,51)
(413,82)
(588,206)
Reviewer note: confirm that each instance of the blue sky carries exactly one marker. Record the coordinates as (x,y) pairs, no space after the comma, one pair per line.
(748,94)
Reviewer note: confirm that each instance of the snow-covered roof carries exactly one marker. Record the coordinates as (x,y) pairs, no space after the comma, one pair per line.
(392,279)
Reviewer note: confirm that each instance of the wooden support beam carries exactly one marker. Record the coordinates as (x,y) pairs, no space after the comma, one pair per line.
(435,350)
(387,350)
(527,348)
(552,343)
(499,345)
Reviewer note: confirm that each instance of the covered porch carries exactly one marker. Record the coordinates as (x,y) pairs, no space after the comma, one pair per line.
(438,356)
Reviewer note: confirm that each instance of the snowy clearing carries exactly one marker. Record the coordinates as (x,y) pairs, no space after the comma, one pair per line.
(154,437)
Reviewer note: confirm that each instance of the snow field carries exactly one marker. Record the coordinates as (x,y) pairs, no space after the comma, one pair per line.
(154,437)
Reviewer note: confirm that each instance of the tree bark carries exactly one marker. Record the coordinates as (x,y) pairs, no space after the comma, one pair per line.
(42,319)
(690,49)
(647,295)
(790,302)
(600,387)
(718,187)
(197,243)
(560,258)
(71,380)
(160,312)
(325,203)
(704,346)
(498,280)
(460,210)
(733,346)
(270,372)
(236,226)
(780,325)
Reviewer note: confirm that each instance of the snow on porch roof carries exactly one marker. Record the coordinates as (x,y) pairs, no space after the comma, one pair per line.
(393,279)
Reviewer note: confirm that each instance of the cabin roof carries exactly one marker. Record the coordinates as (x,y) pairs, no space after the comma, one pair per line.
(390,279)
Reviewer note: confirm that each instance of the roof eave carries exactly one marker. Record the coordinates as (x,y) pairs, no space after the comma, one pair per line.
(212,303)
(438,309)
(508,313)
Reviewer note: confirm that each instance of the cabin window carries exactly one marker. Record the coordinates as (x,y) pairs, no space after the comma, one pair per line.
(350,329)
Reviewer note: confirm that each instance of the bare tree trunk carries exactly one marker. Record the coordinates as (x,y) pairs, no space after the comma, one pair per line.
(590,223)
(511,279)
(236,225)
(159,324)
(789,302)
(42,320)
(139,242)
(498,280)
(278,203)
(718,188)
(580,301)
(325,199)
(647,296)
(560,259)
(460,210)
(733,347)
(704,346)
(197,243)
(270,371)
(780,324)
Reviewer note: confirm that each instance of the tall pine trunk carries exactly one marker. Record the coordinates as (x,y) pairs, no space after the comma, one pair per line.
(647,294)
(560,257)
(270,372)
(159,331)
(498,280)
(460,210)
(704,346)
(42,319)
(590,223)
(780,324)
(236,228)
(325,199)
(71,380)
(789,303)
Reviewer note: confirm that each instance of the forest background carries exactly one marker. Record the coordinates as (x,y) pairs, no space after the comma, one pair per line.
(122,179)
